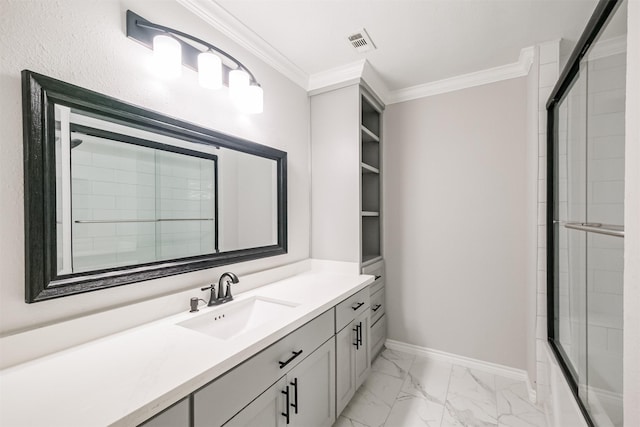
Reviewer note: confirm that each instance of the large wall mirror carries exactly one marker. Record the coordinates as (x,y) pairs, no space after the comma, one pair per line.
(117,194)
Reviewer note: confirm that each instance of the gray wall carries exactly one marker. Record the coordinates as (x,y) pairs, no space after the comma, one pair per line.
(84,43)
(455,221)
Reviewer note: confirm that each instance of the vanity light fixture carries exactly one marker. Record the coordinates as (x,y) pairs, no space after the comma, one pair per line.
(171,51)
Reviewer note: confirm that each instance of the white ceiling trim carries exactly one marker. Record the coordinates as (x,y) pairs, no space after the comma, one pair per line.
(231,27)
(504,72)
(335,77)
(227,24)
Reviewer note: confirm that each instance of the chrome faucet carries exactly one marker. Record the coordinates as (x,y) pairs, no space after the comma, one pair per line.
(222,296)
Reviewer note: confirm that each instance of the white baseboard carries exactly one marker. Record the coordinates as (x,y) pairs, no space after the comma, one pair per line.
(494,368)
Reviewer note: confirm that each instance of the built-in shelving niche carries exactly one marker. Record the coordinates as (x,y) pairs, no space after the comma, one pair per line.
(370,180)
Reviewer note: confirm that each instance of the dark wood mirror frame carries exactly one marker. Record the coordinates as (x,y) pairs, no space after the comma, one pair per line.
(42,281)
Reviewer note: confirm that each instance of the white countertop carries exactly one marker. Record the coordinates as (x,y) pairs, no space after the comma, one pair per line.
(125,378)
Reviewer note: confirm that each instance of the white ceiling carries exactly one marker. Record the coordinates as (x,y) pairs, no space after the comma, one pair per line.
(418,41)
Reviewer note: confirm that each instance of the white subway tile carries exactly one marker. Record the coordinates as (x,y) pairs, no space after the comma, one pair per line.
(615,340)
(608,281)
(542,236)
(543,96)
(608,192)
(609,124)
(549,52)
(542,120)
(548,74)
(597,336)
(542,168)
(541,278)
(542,191)
(606,170)
(541,304)
(541,327)
(542,259)
(607,79)
(610,304)
(606,147)
(611,101)
(542,213)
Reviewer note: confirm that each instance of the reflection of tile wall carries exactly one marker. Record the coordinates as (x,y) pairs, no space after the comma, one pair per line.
(112,182)
(186,186)
(115,181)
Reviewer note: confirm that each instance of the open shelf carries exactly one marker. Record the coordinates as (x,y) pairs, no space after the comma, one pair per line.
(370,237)
(370,117)
(370,162)
(370,192)
(367,135)
(369,169)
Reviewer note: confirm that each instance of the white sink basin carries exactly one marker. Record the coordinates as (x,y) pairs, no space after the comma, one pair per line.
(236,318)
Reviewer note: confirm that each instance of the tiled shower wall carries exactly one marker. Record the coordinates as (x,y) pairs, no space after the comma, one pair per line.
(548,73)
(605,164)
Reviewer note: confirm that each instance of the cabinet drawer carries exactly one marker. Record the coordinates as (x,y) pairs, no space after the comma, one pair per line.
(221,399)
(377,305)
(378,336)
(352,307)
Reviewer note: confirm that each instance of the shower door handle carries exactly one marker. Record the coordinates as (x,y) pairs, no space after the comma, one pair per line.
(596,227)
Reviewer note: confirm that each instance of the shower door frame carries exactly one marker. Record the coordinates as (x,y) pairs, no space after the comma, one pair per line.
(598,21)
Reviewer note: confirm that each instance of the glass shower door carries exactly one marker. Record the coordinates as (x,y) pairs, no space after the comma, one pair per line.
(588,226)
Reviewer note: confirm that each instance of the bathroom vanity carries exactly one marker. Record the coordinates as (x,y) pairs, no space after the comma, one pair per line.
(272,342)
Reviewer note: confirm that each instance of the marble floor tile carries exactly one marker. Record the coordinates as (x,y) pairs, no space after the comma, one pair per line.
(429,379)
(394,363)
(471,398)
(384,387)
(410,411)
(514,407)
(406,391)
(367,409)
(347,422)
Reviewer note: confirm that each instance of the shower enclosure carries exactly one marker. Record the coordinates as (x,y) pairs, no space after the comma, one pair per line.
(586,215)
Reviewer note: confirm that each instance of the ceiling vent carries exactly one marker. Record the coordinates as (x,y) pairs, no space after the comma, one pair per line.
(361,41)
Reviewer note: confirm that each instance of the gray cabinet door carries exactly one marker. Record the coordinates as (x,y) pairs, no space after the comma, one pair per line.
(345,366)
(175,416)
(312,388)
(362,351)
(265,411)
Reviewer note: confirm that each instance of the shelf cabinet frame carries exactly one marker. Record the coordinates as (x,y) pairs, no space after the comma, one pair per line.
(371,165)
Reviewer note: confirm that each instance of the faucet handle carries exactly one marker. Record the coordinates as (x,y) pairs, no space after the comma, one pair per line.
(211,286)
(228,295)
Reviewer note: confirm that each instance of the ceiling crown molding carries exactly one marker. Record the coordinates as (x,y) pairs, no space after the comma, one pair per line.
(504,72)
(231,27)
(335,78)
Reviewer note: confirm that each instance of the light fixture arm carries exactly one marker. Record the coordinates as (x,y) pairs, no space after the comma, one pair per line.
(143,31)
